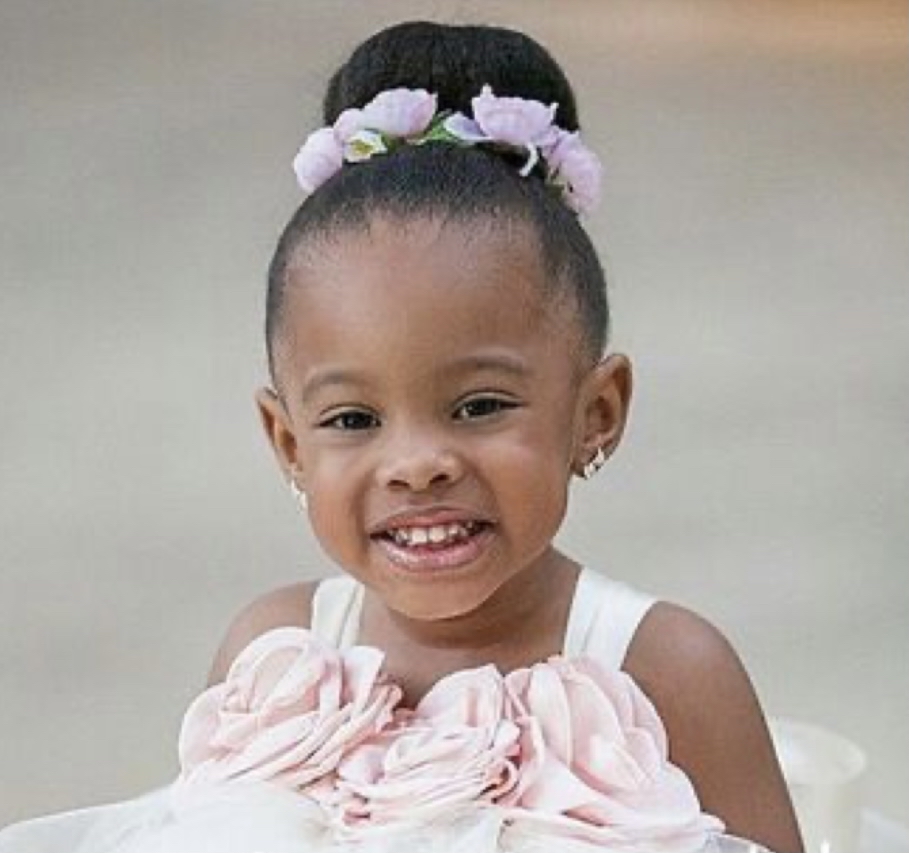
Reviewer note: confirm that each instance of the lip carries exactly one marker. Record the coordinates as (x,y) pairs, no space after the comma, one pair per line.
(427,517)
(429,560)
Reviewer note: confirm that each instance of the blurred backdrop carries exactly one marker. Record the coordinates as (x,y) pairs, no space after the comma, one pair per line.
(755,234)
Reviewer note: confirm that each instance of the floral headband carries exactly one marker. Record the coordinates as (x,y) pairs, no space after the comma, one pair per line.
(410,116)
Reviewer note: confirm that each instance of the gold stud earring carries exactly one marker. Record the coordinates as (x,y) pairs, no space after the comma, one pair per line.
(594,465)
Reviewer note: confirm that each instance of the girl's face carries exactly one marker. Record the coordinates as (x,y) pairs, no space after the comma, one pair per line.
(434,406)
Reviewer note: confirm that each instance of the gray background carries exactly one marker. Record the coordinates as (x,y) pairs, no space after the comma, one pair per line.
(755,232)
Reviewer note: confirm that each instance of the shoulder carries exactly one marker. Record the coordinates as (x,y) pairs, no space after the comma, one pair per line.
(676,648)
(693,675)
(286,606)
(716,727)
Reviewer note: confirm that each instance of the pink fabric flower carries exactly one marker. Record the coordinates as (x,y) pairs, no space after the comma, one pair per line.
(399,113)
(410,116)
(288,712)
(595,761)
(454,749)
(318,159)
(572,164)
(356,134)
(561,752)
(514,121)
(348,124)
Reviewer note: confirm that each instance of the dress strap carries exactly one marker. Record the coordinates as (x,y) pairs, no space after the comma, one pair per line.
(336,606)
(604,617)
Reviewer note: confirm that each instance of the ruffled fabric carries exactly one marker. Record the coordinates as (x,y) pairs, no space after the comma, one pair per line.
(290,708)
(263,818)
(305,747)
(561,750)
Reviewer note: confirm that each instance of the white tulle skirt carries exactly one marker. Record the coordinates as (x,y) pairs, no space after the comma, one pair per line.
(256,818)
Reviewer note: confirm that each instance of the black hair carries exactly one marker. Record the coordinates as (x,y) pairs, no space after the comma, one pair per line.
(444,180)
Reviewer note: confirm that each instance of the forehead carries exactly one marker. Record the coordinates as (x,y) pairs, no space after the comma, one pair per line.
(423,290)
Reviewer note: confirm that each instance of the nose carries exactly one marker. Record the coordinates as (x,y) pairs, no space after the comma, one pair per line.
(419,461)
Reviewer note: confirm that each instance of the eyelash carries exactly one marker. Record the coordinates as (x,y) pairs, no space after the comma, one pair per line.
(357,420)
(491,404)
(363,420)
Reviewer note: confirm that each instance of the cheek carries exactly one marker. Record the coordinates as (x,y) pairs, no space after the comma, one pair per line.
(334,498)
(532,474)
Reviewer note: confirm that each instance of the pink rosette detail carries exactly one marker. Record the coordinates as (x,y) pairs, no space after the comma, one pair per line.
(595,762)
(573,165)
(456,749)
(396,113)
(348,124)
(514,121)
(400,112)
(288,712)
(318,159)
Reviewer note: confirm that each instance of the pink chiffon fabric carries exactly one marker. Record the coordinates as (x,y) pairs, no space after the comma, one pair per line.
(305,747)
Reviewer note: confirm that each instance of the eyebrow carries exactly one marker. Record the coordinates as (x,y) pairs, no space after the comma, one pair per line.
(498,362)
(322,377)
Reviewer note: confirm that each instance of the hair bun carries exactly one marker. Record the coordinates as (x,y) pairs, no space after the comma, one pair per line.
(454,62)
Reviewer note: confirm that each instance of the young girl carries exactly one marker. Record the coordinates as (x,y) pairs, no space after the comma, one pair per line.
(436,327)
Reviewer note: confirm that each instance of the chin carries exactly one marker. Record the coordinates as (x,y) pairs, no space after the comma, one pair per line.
(439,604)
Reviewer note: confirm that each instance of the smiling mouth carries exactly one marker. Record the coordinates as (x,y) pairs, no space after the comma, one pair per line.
(435,535)
(434,547)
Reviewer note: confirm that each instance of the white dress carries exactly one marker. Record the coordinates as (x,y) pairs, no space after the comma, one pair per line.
(602,621)
(305,748)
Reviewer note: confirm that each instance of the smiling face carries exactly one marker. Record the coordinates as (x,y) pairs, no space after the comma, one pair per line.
(434,403)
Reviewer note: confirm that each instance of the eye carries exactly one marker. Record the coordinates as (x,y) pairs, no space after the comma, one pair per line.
(350,420)
(483,407)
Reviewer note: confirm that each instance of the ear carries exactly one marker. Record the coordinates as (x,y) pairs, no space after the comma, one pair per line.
(604,402)
(279,430)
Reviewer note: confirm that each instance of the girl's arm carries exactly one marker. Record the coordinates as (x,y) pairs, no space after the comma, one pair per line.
(717,731)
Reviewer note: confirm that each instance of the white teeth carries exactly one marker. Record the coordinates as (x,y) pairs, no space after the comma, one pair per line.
(436,534)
